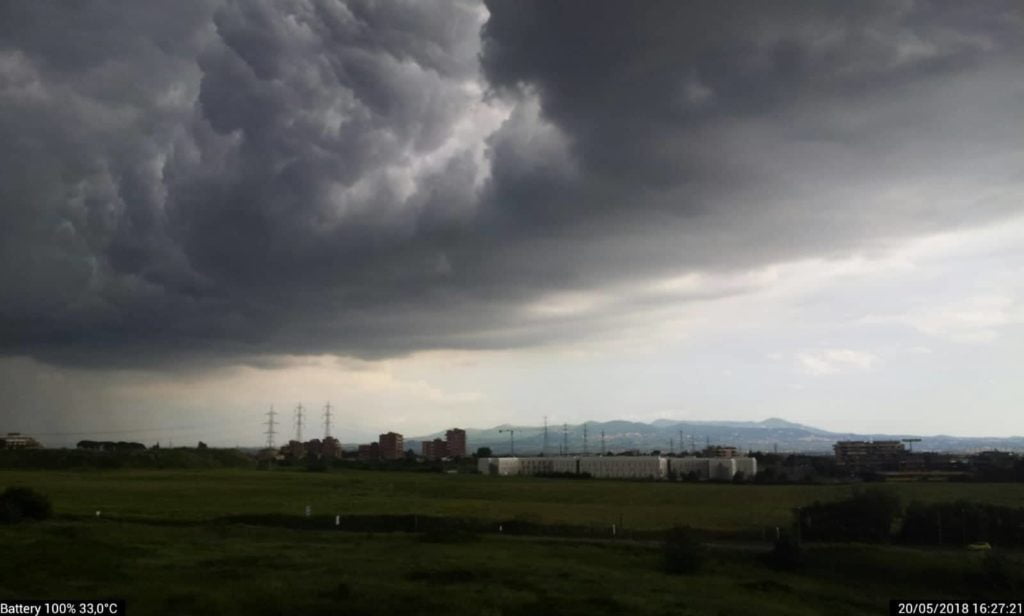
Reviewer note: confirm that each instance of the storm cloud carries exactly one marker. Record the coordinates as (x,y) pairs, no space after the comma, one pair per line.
(228,180)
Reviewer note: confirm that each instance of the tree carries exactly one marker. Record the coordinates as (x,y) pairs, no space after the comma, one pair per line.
(18,504)
(484,452)
(682,550)
(787,552)
(866,516)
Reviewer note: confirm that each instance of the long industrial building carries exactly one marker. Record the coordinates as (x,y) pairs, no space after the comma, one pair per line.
(624,467)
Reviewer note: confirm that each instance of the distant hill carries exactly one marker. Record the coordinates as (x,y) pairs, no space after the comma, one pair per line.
(668,434)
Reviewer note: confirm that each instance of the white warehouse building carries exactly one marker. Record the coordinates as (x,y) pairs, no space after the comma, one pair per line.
(721,469)
(499,466)
(681,468)
(622,467)
(717,469)
(626,467)
(747,466)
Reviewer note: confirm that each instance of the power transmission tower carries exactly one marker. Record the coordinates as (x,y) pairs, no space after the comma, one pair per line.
(672,445)
(327,420)
(565,439)
(270,423)
(585,448)
(602,442)
(544,447)
(298,422)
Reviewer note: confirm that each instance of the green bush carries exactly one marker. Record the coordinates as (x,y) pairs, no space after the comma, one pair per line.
(962,522)
(866,516)
(17,504)
(996,573)
(997,570)
(449,535)
(787,552)
(683,551)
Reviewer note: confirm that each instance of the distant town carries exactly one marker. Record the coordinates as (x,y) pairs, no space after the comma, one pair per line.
(871,460)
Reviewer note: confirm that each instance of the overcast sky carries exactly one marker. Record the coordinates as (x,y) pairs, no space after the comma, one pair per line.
(453,213)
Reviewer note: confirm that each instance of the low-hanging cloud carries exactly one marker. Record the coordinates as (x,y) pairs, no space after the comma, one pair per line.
(222,180)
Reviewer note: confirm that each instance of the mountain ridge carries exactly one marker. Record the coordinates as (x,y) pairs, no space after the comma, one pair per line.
(668,435)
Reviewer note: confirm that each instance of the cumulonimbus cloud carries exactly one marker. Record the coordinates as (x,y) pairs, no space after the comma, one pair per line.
(217,179)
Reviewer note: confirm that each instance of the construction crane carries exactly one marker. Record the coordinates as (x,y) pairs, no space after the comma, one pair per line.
(512,439)
(910,443)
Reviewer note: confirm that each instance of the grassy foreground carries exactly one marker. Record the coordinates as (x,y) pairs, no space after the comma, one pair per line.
(208,494)
(244,570)
(157,545)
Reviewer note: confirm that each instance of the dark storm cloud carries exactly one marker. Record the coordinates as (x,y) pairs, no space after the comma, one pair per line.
(694,108)
(231,179)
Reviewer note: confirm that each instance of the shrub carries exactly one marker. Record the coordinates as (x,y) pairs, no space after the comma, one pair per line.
(316,466)
(449,535)
(787,553)
(997,570)
(866,516)
(456,575)
(683,551)
(341,591)
(963,522)
(18,504)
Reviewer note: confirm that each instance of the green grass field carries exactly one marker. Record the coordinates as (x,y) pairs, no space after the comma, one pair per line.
(206,494)
(242,570)
(156,546)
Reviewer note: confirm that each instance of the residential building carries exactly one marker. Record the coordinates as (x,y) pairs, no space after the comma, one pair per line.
(720,451)
(456,442)
(391,446)
(435,449)
(330,448)
(17,440)
(869,454)
(369,452)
